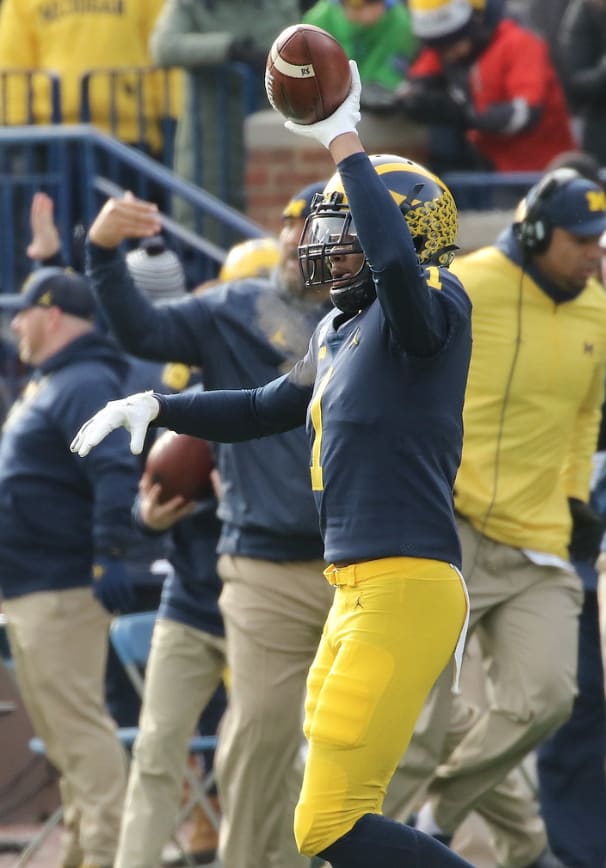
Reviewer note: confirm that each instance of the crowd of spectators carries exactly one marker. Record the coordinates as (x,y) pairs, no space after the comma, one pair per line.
(499,85)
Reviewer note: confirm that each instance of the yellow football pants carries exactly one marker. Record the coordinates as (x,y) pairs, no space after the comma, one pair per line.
(391,630)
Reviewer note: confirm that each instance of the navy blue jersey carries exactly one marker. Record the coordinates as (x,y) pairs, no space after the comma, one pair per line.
(381,392)
(241,334)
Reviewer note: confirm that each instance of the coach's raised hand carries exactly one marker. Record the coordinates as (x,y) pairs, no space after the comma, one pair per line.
(133,413)
(122,218)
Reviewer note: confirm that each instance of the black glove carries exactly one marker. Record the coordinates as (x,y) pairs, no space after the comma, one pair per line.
(429,105)
(588,528)
(462,99)
(245,50)
(112,585)
(377,98)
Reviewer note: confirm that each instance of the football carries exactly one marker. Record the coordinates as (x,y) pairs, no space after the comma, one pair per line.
(307,75)
(182,465)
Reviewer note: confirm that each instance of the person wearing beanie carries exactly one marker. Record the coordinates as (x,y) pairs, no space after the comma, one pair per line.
(490,80)
(436,20)
(156,270)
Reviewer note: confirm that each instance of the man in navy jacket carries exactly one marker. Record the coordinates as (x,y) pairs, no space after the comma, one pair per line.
(64,527)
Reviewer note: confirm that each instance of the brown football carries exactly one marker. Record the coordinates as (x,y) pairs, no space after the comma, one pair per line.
(307,75)
(182,465)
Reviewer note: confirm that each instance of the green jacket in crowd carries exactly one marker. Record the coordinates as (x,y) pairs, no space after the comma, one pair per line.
(383,50)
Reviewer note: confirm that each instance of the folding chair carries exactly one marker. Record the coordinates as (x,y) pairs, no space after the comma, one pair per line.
(131,637)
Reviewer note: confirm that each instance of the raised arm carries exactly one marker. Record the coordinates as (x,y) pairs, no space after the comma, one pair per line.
(171,331)
(418,316)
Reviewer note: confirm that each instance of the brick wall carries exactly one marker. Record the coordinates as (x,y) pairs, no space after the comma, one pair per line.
(279,163)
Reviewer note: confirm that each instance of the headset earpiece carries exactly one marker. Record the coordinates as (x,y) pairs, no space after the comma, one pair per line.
(533,235)
(533,231)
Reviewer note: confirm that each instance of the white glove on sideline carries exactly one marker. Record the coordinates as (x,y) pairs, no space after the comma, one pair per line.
(344,120)
(133,413)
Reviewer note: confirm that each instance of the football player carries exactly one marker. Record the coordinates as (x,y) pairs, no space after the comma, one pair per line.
(381,389)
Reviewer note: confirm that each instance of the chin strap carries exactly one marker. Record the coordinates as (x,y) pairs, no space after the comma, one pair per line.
(357,295)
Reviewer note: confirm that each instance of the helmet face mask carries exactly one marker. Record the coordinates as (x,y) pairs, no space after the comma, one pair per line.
(427,207)
(329,231)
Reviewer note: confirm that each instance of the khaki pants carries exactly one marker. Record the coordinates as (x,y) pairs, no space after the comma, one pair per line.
(515,794)
(59,644)
(184,669)
(274,613)
(526,616)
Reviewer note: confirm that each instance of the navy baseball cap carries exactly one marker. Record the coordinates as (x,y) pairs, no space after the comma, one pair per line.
(579,206)
(53,287)
(299,205)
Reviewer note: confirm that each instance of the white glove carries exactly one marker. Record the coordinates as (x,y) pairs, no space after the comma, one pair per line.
(344,120)
(133,413)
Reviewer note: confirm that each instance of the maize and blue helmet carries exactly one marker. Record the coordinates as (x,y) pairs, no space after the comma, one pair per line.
(255,257)
(426,204)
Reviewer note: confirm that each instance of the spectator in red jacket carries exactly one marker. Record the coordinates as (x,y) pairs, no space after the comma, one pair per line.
(491,77)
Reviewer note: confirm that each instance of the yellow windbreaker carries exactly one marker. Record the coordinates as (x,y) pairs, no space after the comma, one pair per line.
(71,37)
(532,406)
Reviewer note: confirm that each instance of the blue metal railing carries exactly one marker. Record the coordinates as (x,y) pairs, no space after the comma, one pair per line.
(485,191)
(136,104)
(18,90)
(67,162)
(489,190)
(154,97)
(139,105)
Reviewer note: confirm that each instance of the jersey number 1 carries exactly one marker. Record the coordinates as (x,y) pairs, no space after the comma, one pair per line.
(315,412)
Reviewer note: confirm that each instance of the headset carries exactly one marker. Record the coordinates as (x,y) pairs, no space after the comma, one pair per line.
(533,231)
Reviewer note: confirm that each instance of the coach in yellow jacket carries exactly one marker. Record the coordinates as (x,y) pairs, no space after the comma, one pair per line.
(532,413)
